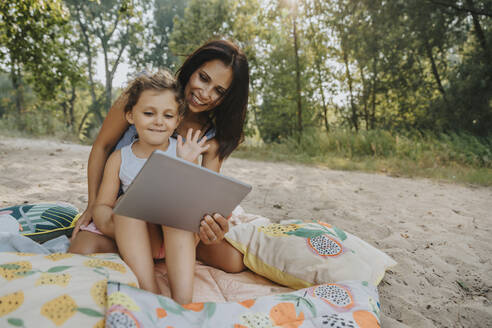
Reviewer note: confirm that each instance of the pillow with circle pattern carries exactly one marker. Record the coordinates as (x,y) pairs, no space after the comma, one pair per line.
(300,254)
(40,222)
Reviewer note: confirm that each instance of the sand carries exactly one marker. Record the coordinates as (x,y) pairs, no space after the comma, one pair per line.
(439,233)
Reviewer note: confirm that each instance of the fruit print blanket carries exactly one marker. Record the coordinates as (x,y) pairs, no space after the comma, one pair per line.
(343,304)
(57,290)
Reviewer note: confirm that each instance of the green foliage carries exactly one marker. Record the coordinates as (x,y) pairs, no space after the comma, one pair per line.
(389,70)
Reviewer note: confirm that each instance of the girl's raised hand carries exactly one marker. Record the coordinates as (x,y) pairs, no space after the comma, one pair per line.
(192,147)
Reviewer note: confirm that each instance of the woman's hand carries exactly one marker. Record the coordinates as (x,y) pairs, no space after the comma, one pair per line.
(191,148)
(212,230)
(83,220)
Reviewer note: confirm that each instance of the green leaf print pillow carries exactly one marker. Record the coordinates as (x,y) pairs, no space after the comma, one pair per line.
(40,222)
(300,254)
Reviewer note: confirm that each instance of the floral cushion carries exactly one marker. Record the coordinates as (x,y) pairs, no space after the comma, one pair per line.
(343,304)
(300,254)
(57,290)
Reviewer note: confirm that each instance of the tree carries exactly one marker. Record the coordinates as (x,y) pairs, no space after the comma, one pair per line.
(30,33)
(113,25)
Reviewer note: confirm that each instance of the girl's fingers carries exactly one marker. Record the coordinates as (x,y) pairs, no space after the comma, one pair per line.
(204,237)
(204,148)
(188,134)
(196,136)
(203,140)
(180,141)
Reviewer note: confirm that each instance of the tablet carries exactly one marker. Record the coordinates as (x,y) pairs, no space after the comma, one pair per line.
(177,193)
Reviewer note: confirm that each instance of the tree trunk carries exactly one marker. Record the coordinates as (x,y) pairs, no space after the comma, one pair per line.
(354,117)
(89,55)
(323,101)
(373,92)
(364,95)
(298,82)
(478,30)
(16,78)
(71,108)
(435,72)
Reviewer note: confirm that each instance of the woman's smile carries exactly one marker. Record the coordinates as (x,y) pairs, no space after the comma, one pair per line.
(207,85)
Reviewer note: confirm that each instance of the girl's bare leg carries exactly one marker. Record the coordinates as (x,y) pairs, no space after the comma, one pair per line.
(87,242)
(134,245)
(180,248)
(222,256)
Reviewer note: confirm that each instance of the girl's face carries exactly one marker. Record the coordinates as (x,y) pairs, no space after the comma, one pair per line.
(207,85)
(155,116)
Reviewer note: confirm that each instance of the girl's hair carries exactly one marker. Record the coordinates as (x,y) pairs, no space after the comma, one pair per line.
(230,114)
(162,80)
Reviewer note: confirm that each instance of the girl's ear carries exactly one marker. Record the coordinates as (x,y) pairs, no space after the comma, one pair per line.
(129,117)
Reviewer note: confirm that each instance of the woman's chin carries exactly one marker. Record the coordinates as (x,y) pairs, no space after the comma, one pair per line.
(197,109)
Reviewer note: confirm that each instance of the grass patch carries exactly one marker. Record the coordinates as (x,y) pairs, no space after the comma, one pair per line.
(458,158)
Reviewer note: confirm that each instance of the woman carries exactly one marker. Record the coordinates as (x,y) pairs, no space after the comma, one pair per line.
(215,80)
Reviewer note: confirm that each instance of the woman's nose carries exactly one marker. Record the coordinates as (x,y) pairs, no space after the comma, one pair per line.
(207,94)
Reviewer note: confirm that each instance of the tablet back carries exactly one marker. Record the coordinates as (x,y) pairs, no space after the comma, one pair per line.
(176,193)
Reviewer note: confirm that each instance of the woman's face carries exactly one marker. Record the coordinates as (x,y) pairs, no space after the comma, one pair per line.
(207,85)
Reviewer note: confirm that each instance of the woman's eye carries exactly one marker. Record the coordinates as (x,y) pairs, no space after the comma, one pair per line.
(203,77)
(221,92)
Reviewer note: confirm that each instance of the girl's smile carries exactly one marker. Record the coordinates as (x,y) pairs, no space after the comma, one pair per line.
(155,117)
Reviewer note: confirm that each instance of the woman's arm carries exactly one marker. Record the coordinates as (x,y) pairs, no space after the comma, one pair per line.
(113,127)
(213,229)
(210,158)
(106,197)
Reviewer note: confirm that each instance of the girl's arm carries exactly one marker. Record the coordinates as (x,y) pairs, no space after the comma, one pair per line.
(106,197)
(113,127)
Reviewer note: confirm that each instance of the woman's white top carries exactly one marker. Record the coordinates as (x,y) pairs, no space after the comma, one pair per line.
(131,164)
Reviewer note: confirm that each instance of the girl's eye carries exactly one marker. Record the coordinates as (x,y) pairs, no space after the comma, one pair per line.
(168,116)
(148,113)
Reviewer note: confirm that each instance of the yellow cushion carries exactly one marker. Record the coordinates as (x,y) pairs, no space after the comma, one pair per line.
(299,254)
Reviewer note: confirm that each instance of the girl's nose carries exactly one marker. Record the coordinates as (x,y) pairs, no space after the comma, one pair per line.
(159,120)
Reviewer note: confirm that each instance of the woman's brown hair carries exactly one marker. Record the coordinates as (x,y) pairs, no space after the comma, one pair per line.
(229,115)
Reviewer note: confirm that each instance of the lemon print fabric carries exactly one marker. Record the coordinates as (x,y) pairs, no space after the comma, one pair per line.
(59,309)
(11,302)
(106,264)
(278,230)
(98,292)
(57,290)
(15,270)
(47,278)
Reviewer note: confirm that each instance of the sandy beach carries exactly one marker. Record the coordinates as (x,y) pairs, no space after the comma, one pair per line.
(440,234)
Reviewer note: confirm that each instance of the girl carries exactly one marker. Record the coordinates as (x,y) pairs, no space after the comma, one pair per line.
(155,109)
(215,80)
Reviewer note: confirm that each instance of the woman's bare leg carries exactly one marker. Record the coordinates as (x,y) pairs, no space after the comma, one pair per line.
(87,242)
(180,248)
(134,245)
(222,256)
